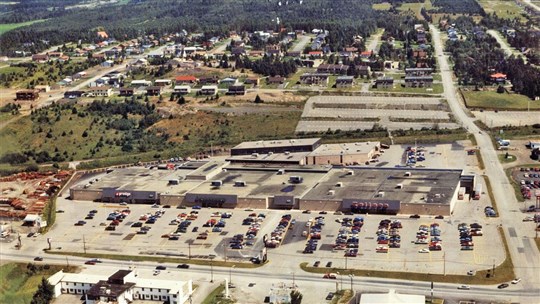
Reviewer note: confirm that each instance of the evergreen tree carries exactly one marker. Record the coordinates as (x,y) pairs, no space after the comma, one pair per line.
(44,294)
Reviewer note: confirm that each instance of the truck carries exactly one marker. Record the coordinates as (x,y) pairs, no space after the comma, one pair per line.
(477,191)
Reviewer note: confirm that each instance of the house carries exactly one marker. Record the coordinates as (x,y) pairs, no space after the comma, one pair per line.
(55,54)
(275,80)
(252,80)
(238,51)
(256,53)
(73,94)
(228,81)
(162,82)
(274,52)
(384,83)
(419,54)
(119,287)
(334,69)
(314,79)
(366,54)
(421,36)
(63,58)
(418,81)
(185,79)
(391,65)
(126,92)
(236,90)
(418,71)
(498,78)
(43,88)
(209,90)
(103,91)
(102,35)
(294,54)
(155,54)
(344,81)
(182,89)
(27,95)
(40,58)
(98,56)
(209,80)
(363,70)
(140,83)
(315,54)
(153,90)
(107,63)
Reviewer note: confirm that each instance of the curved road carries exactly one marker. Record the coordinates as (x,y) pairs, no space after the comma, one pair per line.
(523,251)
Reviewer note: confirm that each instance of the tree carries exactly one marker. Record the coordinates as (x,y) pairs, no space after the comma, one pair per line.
(44,294)
(258,99)
(296,297)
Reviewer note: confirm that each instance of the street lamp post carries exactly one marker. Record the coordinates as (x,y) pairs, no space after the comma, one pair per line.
(351,276)
(230,274)
(293,281)
(212,269)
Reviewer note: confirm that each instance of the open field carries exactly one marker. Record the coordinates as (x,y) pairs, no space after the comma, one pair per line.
(18,282)
(381,6)
(504,9)
(10,26)
(494,100)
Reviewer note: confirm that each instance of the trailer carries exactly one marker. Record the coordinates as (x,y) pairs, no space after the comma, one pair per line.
(461,193)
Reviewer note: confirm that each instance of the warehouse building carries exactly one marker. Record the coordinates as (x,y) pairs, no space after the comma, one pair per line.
(343,154)
(276,146)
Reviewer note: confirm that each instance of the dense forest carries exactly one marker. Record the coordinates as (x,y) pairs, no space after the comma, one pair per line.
(219,16)
(469,7)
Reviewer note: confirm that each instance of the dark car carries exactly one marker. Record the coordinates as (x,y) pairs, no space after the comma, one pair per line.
(39,259)
(416,216)
(184,266)
(90,263)
(323,212)
(329,264)
(161,267)
(503,285)
(330,296)
(439,217)
(31,234)
(316,264)
(80,223)
(93,211)
(195,229)
(196,207)
(89,217)
(60,211)
(137,225)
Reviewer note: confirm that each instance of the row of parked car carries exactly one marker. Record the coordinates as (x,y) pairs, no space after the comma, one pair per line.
(347,238)
(466,234)
(278,234)
(315,229)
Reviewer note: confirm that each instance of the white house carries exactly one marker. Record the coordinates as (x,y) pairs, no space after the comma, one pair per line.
(121,287)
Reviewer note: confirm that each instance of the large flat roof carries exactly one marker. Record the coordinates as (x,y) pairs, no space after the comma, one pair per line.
(423,186)
(277,143)
(345,149)
(295,157)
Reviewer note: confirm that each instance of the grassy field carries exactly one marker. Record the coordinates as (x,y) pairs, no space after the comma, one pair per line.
(504,9)
(216,296)
(381,6)
(415,7)
(494,100)
(18,283)
(10,26)
(504,160)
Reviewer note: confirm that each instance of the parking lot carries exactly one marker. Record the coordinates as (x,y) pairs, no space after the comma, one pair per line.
(93,237)
(528,179)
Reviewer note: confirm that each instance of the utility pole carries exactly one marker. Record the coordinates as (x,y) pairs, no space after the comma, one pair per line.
(493,271)
(351,276)
(67,261)
(444,264)
(84,244)
(189,250)
(346,259)
(230,274)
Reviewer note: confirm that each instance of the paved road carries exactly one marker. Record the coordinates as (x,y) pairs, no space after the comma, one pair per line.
(534,6)
(525,257)
(303,40)
(221,48)
(508,50)
(374,41)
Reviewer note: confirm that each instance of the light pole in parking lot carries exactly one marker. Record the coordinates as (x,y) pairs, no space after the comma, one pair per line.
(230,273)
(351,276)
(212,268)
(293,281)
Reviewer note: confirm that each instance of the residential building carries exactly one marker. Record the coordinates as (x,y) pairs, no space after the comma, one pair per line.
(275,80)
(107,63)
(27,94)
(153,90)
(40,58)
(140,83)
(418,81)
(73,94)
(384,83)
(334,69)
(43,88)
(498,78)
(185,79)
(316,79)
(252,80)
(120,287)
(209,90)
(127,91)
(344,81)
(418,71)
(363,70)
(162,82)
(208,80)
(236,90)
(103,91)
(229,81)
(182,89)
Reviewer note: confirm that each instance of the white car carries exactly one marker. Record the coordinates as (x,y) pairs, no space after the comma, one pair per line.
(516,280)
(528,219)
(464,287)
(424,250)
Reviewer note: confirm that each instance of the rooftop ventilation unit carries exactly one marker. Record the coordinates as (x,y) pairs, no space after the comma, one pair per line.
(240,183)
(217,183)
(408,173)
(331,192)
(380,194)
(399,186)
(350,172)
(281,171)
(339,185)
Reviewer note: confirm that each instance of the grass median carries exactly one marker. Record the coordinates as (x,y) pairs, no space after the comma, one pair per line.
(503,272)
(158,259)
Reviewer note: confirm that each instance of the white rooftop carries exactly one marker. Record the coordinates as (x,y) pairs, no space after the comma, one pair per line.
(391,298)
(345,148)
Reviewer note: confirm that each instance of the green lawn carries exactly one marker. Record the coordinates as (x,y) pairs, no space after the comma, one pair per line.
(10,26)
(503,9)
(217,296)
(504,160)
(494,100)
(381,6)
(18,283)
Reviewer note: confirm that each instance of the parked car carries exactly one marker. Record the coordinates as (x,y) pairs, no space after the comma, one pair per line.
(516,280)
(38,259)
(416,216)
(423,250)
(464,287)
(317,263)
(330,296)
(329,264)
(330,276)
(160,267)
(183,266)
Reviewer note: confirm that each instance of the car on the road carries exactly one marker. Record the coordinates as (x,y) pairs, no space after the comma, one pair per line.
(123,204)
(306,211)
(38,259)
(136,225)
(439,217)
(416,216)
(156,272)
(471,272)
(196,207)
(516,280)
(323,212)
(89,217)
(183,266)
(60,211)
(31,234)
(330,296)
(423,250)
(502,286)
(464,287)
(160,267)
(90,263)
(330,275)
(317,263)
(93,211)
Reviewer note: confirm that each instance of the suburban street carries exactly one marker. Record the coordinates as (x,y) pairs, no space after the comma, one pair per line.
(504,45)
(524,253)
(301,44)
